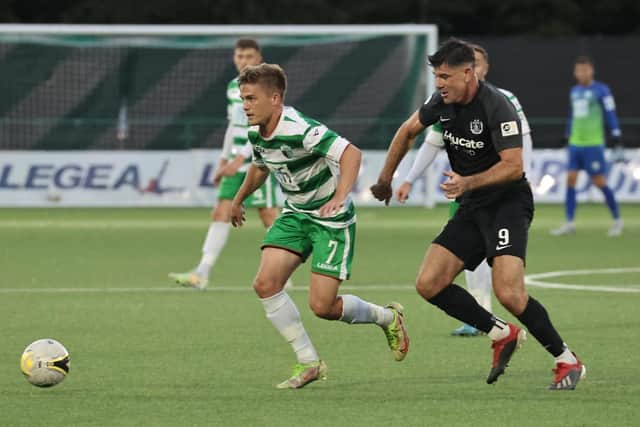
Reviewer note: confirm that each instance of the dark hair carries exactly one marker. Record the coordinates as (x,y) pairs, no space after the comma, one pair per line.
(482,51)
(584,59)
(453,52)
(246,43)
(271,76)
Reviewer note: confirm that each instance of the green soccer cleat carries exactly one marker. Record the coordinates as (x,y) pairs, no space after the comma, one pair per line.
(396,332)
(189,280)
(305,373)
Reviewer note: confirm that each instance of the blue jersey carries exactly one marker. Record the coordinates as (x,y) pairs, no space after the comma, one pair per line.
(590,108)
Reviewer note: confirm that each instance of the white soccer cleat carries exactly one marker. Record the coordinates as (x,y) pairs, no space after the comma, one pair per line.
(566,228)
(616,228)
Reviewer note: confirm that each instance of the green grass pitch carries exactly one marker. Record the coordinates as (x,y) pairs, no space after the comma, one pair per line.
(146,353)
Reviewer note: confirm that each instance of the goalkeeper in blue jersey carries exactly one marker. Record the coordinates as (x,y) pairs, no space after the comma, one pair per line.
(591,107)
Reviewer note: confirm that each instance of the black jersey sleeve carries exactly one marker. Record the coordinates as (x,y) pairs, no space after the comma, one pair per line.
(430,111)
(506,129)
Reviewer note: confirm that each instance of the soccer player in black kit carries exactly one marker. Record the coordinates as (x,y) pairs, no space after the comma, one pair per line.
(481,131)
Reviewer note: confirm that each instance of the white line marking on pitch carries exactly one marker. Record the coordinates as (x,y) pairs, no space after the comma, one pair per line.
(533,280)
(530,280)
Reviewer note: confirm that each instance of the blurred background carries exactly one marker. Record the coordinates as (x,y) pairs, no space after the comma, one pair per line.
(115,88)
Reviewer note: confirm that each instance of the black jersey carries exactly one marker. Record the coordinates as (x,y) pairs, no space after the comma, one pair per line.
(474,134)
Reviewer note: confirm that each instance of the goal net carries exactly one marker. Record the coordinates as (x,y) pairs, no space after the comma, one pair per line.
(66,87)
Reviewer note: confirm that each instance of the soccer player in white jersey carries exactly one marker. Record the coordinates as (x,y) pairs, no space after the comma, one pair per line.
(478,280)
(316,169)
(232,168)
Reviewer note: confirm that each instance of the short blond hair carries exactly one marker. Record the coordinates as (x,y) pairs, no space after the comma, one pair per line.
(270,76)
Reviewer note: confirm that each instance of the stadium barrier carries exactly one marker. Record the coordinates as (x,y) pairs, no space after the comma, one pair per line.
(183,178)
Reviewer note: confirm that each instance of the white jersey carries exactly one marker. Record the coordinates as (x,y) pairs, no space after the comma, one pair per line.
(304,156)
(236,142)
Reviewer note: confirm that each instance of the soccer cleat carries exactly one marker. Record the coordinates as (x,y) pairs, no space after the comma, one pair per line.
(616,228)
(396,332)
(305,373)
(503,351)
(189,280)
(566,228)
(466,331)
(568,375)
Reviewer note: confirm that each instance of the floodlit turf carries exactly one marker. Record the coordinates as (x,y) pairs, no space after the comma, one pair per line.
(146,353)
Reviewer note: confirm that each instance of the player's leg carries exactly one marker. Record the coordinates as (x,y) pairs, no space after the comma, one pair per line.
(472,285)
(596,168)
(333,251)
(462,244)
(479,285)
(285,247)
(576,162)
(216,237)
(507,243)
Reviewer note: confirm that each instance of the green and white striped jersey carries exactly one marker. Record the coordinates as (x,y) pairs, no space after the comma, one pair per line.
(304,156)
(516,104)
(235,141)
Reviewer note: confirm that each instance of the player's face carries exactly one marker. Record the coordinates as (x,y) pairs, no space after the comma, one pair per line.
(244,57)
(452,82)
(259,103)
(583,74)
(481,66)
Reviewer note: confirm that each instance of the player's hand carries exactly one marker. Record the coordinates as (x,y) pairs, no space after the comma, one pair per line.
(617,152)
(217,177)
(454,186)
(382,191)
(237,215)
(402,193)
(330,208)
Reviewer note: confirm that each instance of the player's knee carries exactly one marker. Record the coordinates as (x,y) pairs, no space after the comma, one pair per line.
(428,286)
(512,298)
(265,287)
(322,309)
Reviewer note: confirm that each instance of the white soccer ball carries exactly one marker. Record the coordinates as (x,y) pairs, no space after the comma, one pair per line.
(45,362)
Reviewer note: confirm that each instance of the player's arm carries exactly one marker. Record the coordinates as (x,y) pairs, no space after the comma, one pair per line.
(426,154)
(349,168)
(404,138)
(567,131)
(233,166)
(256,176)
(227,144)
(508,168)
(609,107)
(506,135)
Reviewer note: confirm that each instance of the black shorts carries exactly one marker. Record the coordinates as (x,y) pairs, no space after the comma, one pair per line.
(500,228)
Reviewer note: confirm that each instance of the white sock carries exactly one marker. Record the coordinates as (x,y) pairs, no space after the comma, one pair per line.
(566,357)
(284,315)
(479,284)
(356,310)
(213,245)
(499,330)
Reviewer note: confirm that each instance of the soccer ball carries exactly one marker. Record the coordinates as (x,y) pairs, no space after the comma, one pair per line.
(45,362)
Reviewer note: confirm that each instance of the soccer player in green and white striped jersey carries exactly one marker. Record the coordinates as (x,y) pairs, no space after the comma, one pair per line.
(232,168)
(316,169)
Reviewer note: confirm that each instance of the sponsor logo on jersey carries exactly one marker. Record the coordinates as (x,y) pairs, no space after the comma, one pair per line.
(476,127)
(324,266)
(458,141)
(509,128)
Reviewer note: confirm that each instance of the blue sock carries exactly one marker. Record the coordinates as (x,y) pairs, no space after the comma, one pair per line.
(611,201)
(570,204)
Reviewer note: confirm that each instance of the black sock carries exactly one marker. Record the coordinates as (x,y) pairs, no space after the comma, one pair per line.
(458,303)
(537,321)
